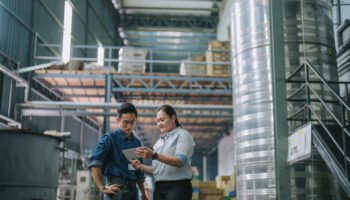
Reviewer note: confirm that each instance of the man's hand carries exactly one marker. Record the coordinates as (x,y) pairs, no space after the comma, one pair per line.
(111,189)
(144,152)
(136,164)
(143,196)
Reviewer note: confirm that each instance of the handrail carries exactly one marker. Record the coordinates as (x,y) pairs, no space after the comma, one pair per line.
(329,110)
(328,86)
(295,72)
(326,129)
(341,146)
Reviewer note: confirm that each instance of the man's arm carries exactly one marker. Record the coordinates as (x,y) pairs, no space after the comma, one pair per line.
(142,190)
(147,169)
(97,175)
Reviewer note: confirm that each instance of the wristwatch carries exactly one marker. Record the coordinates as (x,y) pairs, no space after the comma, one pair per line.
(154,156)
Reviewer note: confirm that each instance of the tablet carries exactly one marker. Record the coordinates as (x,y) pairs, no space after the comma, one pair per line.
(130,153)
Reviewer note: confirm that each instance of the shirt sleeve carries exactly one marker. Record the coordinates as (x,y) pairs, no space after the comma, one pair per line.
(182,158)
(100,153)
(184,146)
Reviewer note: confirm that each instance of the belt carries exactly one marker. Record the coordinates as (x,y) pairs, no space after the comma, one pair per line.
(175,181)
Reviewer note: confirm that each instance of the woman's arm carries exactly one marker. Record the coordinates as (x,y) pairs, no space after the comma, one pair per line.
(145,152)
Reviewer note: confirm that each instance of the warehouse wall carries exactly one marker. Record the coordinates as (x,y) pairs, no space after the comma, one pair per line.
(93,22)
(20,20)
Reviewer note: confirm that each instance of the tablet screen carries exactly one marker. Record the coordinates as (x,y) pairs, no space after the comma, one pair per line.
(130,153)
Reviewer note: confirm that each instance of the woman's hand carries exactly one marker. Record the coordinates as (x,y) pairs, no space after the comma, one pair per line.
(144,152)
(136,164)
(111,189)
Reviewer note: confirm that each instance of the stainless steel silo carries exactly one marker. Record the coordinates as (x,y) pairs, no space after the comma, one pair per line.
(252,98)
(308,34)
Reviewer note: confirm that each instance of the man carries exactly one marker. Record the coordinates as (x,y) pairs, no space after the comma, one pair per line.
(108,159)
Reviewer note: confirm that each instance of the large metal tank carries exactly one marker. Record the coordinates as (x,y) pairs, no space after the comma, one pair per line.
(309,34)
(252,97)
(29,168)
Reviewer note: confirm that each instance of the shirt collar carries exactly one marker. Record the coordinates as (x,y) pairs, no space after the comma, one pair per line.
(172,132)
(123,135)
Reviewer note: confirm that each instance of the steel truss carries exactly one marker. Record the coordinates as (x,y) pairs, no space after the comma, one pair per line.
(163,21)
(162,84)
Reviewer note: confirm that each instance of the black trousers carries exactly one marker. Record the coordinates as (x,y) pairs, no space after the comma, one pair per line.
(173,190)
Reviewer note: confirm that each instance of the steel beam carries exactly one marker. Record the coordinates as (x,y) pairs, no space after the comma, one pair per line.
(41,66)
(282,170)
(81,105)
(60,112)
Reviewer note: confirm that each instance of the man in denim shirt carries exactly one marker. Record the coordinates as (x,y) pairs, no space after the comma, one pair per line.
(108,159)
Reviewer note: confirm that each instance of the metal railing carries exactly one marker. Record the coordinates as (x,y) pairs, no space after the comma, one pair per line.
(310,114)
(154,56)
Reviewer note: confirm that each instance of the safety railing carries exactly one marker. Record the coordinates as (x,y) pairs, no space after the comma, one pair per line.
(155,57)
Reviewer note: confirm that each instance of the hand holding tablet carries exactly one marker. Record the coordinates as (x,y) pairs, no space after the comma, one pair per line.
(130,153)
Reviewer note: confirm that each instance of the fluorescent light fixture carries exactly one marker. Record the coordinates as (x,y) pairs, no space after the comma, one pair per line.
(100,55)
(67,32)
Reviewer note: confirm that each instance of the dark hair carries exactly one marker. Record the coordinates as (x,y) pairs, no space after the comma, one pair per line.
(126,108)
(169,110)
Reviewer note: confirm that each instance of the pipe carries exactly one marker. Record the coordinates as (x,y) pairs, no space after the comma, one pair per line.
(342,48)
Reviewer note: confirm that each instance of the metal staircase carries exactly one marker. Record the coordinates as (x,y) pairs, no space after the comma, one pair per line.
(331,129)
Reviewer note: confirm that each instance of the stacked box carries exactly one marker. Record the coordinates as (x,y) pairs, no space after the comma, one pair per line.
(195,194)
(218,51)
(217,69)
(233,180)
(94,67)
(127,54)
(219,45)
(193,69)
(222,181)
(208,191)
(195,183)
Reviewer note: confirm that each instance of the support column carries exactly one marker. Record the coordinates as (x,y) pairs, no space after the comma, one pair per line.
(81,143)
(205,169)
(283,187)
(108,86)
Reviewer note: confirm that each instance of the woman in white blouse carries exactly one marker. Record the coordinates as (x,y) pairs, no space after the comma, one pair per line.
(171,158)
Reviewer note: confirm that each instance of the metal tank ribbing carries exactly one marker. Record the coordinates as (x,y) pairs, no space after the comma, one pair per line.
(252,96)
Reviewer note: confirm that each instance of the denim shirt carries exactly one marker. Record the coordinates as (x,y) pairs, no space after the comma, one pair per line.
(111,159)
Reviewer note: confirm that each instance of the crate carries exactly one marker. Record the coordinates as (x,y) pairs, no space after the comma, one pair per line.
(219,45)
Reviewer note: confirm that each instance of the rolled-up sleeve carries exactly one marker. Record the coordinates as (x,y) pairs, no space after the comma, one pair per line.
(99,155)
(184,146)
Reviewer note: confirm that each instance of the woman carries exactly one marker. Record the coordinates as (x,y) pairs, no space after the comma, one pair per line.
(171,158)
